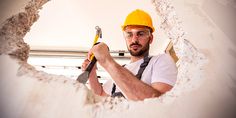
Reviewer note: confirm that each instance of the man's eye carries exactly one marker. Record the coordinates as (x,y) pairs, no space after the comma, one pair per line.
(129,34)
(141,33)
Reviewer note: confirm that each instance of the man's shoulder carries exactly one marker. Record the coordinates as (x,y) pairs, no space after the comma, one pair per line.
(162,59)
(162,56)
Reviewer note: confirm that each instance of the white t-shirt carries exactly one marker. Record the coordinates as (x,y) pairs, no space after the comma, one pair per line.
(160,68)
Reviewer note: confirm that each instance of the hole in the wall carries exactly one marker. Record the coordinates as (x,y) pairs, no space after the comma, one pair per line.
(169,48)
(66,26)
(190,61)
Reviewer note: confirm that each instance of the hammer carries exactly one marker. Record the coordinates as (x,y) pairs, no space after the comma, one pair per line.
(83,77)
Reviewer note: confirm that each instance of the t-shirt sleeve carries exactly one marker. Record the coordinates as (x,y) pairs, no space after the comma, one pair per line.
(164,70)
(107,86)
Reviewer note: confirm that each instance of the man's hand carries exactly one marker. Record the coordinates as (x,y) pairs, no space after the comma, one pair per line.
(85,64)
(101,52)
(95,86)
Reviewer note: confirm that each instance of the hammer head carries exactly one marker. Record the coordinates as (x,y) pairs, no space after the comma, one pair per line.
(99,31)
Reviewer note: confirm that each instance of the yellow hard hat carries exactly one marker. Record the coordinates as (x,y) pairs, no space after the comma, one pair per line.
(138,17)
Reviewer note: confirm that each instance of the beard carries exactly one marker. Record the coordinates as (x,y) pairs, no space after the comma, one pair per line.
(144,50)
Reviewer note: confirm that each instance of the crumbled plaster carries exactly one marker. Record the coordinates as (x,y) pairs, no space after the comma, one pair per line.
(33,93)
(191,60)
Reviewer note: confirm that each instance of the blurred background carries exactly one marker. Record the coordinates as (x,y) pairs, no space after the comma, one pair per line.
(65,31)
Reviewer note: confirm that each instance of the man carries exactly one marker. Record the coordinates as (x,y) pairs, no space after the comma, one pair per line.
(157,74)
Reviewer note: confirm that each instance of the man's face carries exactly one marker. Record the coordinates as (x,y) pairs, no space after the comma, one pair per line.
(138,39)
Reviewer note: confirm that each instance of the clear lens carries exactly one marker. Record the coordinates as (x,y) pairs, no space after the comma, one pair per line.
(138,33)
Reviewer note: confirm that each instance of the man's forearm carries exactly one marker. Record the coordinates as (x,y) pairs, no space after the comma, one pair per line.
(133,88)
(94,84)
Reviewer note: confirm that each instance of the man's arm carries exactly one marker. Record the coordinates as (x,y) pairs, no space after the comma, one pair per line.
(130,86)
(95,86)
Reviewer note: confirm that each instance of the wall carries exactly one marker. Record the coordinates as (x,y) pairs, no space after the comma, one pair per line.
(206,78)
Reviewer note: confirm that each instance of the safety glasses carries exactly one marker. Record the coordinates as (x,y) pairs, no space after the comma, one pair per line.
(139,33)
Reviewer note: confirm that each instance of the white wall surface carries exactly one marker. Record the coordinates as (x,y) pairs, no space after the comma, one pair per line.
(205,87)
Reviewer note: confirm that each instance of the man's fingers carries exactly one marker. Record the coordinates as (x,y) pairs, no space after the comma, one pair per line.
(89,55)
(85,64)
(83,67)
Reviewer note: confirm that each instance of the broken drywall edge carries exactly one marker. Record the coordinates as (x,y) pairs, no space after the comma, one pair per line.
(191,61)
(45,95)
(34,92)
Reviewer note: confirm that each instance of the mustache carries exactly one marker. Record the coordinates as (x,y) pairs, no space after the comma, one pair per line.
(136,43)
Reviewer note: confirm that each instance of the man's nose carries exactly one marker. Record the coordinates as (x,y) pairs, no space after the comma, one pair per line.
(134,38)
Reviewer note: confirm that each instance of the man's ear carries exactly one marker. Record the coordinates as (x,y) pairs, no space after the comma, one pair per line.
(151,39)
